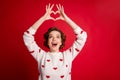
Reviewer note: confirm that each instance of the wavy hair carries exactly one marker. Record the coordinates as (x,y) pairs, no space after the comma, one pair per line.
(46,36)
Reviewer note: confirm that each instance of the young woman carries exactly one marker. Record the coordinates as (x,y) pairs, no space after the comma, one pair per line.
(54,65)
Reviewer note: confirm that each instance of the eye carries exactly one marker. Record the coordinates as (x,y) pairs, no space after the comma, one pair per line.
(50,36)
(58,36)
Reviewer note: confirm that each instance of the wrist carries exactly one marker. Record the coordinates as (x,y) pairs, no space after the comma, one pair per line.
(43,18)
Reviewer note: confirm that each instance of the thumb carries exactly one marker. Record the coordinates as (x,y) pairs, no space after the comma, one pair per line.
(59,18)
(52,18)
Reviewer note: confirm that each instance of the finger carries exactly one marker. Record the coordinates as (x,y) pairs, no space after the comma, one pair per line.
(49,5)
(52,6)
(57,6)
(57,12)
(52,18)
(46,7)
(62,8)
(59,18)
(52,12)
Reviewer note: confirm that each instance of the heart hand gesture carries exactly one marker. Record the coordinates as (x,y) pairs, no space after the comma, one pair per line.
(47,16)
(49,11)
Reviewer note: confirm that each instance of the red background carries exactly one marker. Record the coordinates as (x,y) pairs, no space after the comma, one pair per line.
(99,59)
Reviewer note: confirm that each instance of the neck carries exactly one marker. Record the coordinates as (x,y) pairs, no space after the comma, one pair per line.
(54,51)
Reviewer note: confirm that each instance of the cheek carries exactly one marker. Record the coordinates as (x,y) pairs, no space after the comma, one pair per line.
(60,41)
(49,41)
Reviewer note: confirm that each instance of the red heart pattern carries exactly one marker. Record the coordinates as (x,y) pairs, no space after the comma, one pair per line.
(48,60)
(66,65)
(28,32)
(77,49)
(55,68)
(61,59)
(62,76)
(43,66)
(39,50)
(69,73)
(76,34)
(76,38)
(81,32)
(70,50)
(32,51)
(47,76)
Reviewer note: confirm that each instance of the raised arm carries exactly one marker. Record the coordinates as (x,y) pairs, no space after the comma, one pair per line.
(45,17)
(80,33)
(28,36)
(64,17)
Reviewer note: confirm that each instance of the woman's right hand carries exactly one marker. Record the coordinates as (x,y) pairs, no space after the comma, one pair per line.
(48,12)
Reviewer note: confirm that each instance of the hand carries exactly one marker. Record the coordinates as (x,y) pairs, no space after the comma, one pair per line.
(61,12)
(48,12)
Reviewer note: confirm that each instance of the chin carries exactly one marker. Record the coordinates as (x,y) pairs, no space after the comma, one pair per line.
(54,50)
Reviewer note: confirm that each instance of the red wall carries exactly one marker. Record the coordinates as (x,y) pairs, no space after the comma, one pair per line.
(99,59)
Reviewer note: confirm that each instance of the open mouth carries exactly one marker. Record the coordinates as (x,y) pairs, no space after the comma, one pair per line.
(54,44)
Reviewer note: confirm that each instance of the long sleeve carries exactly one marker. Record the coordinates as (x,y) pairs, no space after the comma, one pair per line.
(33,48)
(78,44)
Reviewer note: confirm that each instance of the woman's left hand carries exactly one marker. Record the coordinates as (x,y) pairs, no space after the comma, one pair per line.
(61,12)
(48,12)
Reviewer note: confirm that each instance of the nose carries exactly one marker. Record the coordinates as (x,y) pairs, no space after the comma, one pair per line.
(54,39)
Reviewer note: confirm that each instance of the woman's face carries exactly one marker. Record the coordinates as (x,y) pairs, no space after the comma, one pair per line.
(54,41)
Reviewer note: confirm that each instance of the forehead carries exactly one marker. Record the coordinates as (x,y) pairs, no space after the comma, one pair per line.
(54,33)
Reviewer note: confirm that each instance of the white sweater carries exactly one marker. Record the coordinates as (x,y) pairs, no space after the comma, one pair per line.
(54,66)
